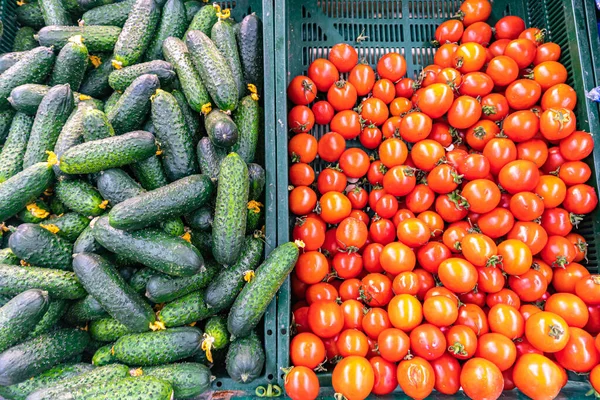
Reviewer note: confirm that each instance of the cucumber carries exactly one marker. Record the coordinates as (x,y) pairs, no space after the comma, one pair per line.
(120,79)
(245,359)
(24,39)
(101,279)
(104,356)
(247,121)
(143,387)
(6,118)
(204,20)
(107,329)
(255,217)
(213,69)
(71,63)
(202,240)
(221,129)
(173,227)
(11,157)
(81,197)
(161,289)
(90,4)
(192,119)
(229,224)
(68,226)
(222,291)
(40,354)
(151,247)
(175,140)
(7,60)
(191,8)
(30,14)
(111,101)
(130,110)
(35,212)
(137,33)
(20,315)
(86,243)
(40,247)
(159,347)
(49,322)
(115,151)
(59,284)
(149,173)
(209,158)
(111,14)
(33,68)
(95,82)
(216,336)
(257,178)
(176,52)
(173,23)
(54,12)
(169,201)
(200,219)
(223,36)
(96,125)
(27,98)
(185,310)
(116,186)
(187,379)
(84,310)
(97,39)
(250,46)
(252,302)
(22,188)
(55,108)
(141,277)
(56,206)
(7,257)
(72,8)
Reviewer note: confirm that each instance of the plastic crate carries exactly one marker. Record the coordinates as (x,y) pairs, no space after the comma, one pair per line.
(223,386)
(306,30)
(593,27)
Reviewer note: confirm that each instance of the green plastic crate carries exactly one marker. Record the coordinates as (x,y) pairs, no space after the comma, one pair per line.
(9,22)
(592,29)
(305,30)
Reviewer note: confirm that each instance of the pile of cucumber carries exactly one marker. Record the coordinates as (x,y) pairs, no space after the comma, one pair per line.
(130,201)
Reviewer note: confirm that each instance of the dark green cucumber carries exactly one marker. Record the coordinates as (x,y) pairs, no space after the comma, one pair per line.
(161,289)
(90,4)
(6,118)
(73,8)
(54,12)
(173,227)
(24,39)
(96,38)
(11,157)
(185,310)
(257,177)
(71,63)
(7,60)
(116,186)
(37,355)
(209,157)
(223,36)
(151,247)
(20,315)
(55,108)
(86,243)
(56,206)
(250,45)
(81,197)
(137,32)
(150,173)
(159,347)
(111,101)
(200,219)
(169,201)
(95,82)
(130,111)
(84,310)
(202,240)
(120,79)
(187,379)
(204,20)
(191,8)
(27,98)
(59,284)
(107,329)
(173,23)
(33,68)
(132,388)
(255,217)
(40,247)
(176,52)
(22,188)
(104,356)
(222,291)
(7,257)
(174,137)
(34,212)
(96,125)
(192,119)
(139,279)
(111,14)
(101,279)
(252,302)
(229,224)
(68,226)
(30,14)
(247,120)
(216,334)
(49,322)
(213,69)
(245,359)
(221,129)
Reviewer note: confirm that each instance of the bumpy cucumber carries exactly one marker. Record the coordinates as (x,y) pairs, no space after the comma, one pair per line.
(130,111)
(68,226)
(95,82)
(255,217)
(185,310)
(120,79)
(200,219)
(221,129)
(6,118)
(173,22)
(71,64)
(111,101)
(191,8)
(84,310)
(137,32)
(101,279)
(216,334)
(90,4)
(96,125)
(104,356)
(204,20)
(192,119)
(30,14)
(35,212)
(110,14)
(86,243)
(202,240)
(245,359)
(57,206)
(252,302)
(96,38)
(224,37)
(150,173)
(132,388)
(20,315)
(49,322)
(54,12)
(27,98)
(160,289)
(11,157)
(173,227)
(257,176)
(37,355)
(247,120)
(59,284)
(80,196)
(107,329)
(24,39)
(187,379)
(250,45)
(7,257)
(116,186)
(40,247)
(139,279)
(7,60)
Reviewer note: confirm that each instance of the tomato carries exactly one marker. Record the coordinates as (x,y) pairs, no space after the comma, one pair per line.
(399,106)
(343,56)
(321,291)
(331,146)
(325,318)
(552,190)
(307,349)
(547,331)
(462,342)
(353,314)
(451,207)
(415,126)
(526,206)
(311,267)
(559,96)
(354,162)
(523,94)
(457,274)
(443,179)
(416,377)
(481,133)
(362,77)
(346,123)
(353,377)
(301,90)
(449,31)
(303,148)
(490,279)
(450,77)
(447,372)
(474,317)
(347,265)
(323,73)
(595,378)
(522,51)
(405,87)
(301,383)
(588,289)
(444,56)
(506,320)
(519,176)
(420,200)
(534,150)
(331,180)
(435,100)
(399,180)
(559,251)
(464,112)
(301,174)
(580,199)
(478,32)
(406,283)
(302,200)
(509,27)
(476,84)
(570,307)
(556,124)
(382,231)
(413,232)
(549,73)
(576,146)
(516,256)
(375,321)
(482,195)
(396,258)
(504,296)
(323,112)
(479,249)
(440,311)
(529,286)
(537,376)
(376,290)
(481,379)
(391,127)
(405,312)
(502,70)
(384,90)
(498,349)
(393,344)
(565,279)
(427,341)
(557,221)
(547,52)
(358,197)
(496,223)
(580,246)
(391,66)
(301,119)
(574,172)
(374,196)
(342,95)
(431,255)
(352,342)
(554,162)
(454,234)
(494,107)
(499,152)
(385,376)
(374,110)
(393,152)
(350,289)
(530,233)
(335,206)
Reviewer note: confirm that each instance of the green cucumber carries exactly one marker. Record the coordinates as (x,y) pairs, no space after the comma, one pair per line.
(202,240)
(250,46)
(223,36)
(257,176)
(192,119)
(103,356)
(222,291)
(30,14)
(137,32)
(24,39)
(33,68)
(173,227)
(255,217)
(173,22)
(216,336)
(204,20)
(139,279)
(11,157)
(229,224)
(55,108)
(49,322)
(40,354)
(96,38)
(110,14)
(253,300)
(20,315)
(56,206)
(185,310)
(96,125)
(159,347)
(110,103)
(90,4)
(6,118)
(130,110)
(27,98)
(81,197)
(247,120)
(34,212)
(101,279)
(71,63)
(213,69)
(200,219)
(86,243)
(120,79)
(84,310)
(40,247)
(191,8)
(132,388)
(187,379)
(151,247)
(245,359)
(175,140)
(7,60)
(149,173)
(107,329)
(221,129)
(7,257)
(116,186)
(68,226)
(161,289)
(176,52)
(209,158)
(169,201)
(59,284)
(54,12)
(95,82)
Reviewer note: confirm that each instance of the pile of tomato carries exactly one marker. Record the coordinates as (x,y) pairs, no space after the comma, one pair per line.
(439,237)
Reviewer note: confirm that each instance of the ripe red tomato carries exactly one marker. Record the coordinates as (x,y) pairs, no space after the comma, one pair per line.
(302,200)
(435,100)
(393,344)
(362,77)
(494,107)
(447,374)
(323,112)
(522,51)
(352,342)
(416,377)
(464,112)
(354,162)
(312,267)
(415,126)
(353,311)
(376,290)
(385,376)
(331,146)
(449,31)
(405,87)
(482,195)
(478,32)
(506,320)
(374,111)
(346,123)
(303,148)
(325,318)
(342,95)
(353,377)
(481,379)
(503,70)
(307,349)
(457,274)
(580,199)
(301,383)
(547,331)
(530,233)
(440,311)
(323,73)
(565,278)
(497,349)
(577,146)
(473,11)
(537,376)
(331,180)
(343,56)
(556,124)
(476,84)
(384,90)
(559,96)
(399,180)
(301,174)
(335,206)
(588,289)
(519,176)
(444,57)
(523,94)
(509,27)
(570,307)
(516,256)
(574,172)
(391,66)
(301,90)
(549,73)
(301,119)
(375,321)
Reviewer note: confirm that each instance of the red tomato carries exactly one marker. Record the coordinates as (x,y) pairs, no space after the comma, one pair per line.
(393,344)
(440,311)
(323,112)
(476,84)
(353,311)
(352,342)
(494,107)
(478,32)
(307,349)
(565,278)
(405,88)
(362,77)
(376,290)
(447,374)
(549,73)
(588,289)
(384,90)
(405,312)
(325,318)
(435,100)
(523,94)
(556,124)
(472,11)
(464,112)
(481,379)
(574,172)
(312,267)
(353,377)
(415,126)
(559,96)
(537,376)
(301,90)
(331,146)
(385,376)
(375,321)
(399,180)
(570,307)
(522,51)
(302,200)
(444,56)
(346,123)
(457,274)
(503,70)
(301,174)
(577,145)
(519,176)
(343,56)
(449,31)
(301,383)
(496,223)
(303,148)
(497,349)
(374,110)
(391,66)
(323,73)
(547,331)
(354,162)
(580,199)
(509,27)
(482,195)
(547,52)
(301,119)
(506,320)
(342,95)
(416,377)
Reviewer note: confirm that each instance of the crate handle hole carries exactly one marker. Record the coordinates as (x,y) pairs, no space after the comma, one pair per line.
(270,377)
(269,332)
(284,331)
(219,383)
